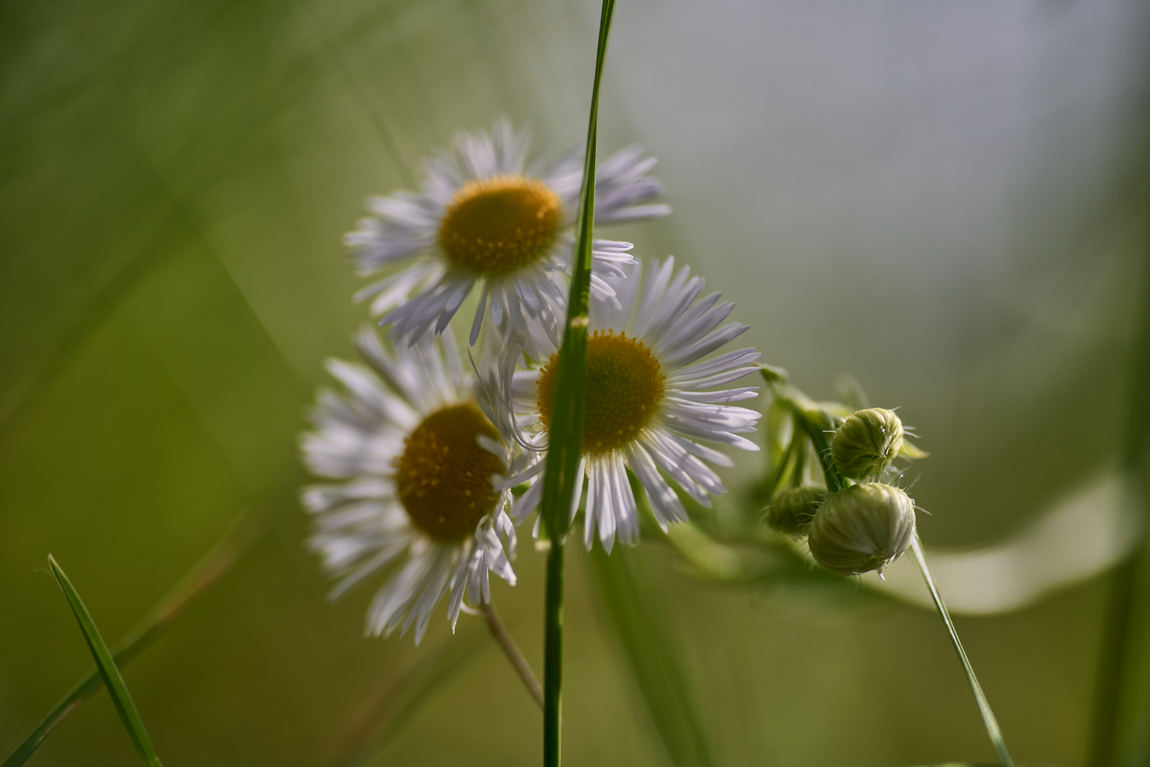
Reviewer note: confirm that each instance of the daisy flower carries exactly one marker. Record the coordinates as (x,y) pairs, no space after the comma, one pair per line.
(486,216)
(651,403)
(413,455)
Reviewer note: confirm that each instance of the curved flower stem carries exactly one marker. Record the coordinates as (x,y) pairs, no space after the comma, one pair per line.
(507,643)
(992,728)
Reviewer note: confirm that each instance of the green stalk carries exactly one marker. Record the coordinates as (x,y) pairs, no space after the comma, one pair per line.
(553,658)
(835,481)
(566,436)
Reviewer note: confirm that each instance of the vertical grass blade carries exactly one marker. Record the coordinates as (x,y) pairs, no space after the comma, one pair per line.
(385,717)
(566,435)
(566,432)
(635,609)
(108,671)
(1121,729)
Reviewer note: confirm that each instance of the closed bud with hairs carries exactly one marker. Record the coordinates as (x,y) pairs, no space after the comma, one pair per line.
(867,442)
(861,528)
(793,509)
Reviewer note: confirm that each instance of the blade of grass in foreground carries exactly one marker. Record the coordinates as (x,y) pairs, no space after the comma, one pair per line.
(384,718)
(111,675)
(635,611)
(566,433)
(217,562)
(1121,730)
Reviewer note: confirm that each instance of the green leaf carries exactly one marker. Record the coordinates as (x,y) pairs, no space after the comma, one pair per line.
(111,675)
(911,451)
(773,374)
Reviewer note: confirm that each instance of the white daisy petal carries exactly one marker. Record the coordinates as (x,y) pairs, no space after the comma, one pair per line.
(653,405)
(444,533)
(664,502)
(483,217)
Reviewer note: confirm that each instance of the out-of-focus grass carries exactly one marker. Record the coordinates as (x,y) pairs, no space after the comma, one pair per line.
(952,187)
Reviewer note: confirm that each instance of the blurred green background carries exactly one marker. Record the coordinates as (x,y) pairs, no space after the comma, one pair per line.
(945,200)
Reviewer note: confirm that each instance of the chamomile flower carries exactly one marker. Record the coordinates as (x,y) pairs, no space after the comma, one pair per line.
(413,454)
(652,403)
(485,216)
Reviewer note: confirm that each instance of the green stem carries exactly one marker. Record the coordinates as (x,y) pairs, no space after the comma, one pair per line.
(988,719)
(815,433)
(553,655)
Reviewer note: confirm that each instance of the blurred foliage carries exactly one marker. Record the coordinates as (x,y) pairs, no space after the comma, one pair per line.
(947,201)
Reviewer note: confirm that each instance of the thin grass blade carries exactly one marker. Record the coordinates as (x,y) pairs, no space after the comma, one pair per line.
(118,691)
(213,566)
(993,731)
(566,433)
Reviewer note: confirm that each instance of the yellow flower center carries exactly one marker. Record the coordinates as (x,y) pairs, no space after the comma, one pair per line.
(497,225)
(443,477)
(624,389)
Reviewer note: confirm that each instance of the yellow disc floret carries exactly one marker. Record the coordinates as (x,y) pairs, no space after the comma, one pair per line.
(624,389)
(498,225)
(443,477)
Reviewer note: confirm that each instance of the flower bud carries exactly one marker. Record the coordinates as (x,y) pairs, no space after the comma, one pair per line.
(866,443)
(861,528)
(792,510)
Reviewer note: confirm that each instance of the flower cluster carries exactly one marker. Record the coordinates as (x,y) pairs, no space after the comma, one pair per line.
(432,460)
(859,523)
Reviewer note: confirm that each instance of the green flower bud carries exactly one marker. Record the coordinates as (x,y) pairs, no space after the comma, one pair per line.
(861,528)
(792,510)
(866,443)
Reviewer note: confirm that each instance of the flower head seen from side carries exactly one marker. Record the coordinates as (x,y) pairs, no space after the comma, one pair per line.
(413,454)
(485,216)
(652,403)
